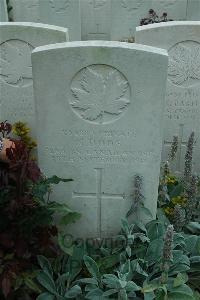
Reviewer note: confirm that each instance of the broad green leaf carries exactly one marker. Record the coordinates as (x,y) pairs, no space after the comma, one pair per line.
(108,261)
(154,251)
(47,282)
(55,180)
(69,218)
(46,296)
(45,265)
(155,229)
(194,227)
(141,226)
(191,243)
(110,292)
(147,288)
(95,294)
(149,296)
(122,283)
(132,286)
(184,289)
(179,296)
(111,281)
(195,259)
(178,240)
(180,279)
(73,292)
(75,262)
(196,295)
(32,285)
(92,267)
(135,266)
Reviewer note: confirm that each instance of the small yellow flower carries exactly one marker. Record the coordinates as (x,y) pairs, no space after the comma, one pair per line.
(169,211)
(181,200)
(23,131)
(171,179)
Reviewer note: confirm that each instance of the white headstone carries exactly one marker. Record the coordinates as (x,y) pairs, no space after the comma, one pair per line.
(95,19)
(126,14)
(17,40)
(101,120)
(182,41)
(3,11)
(25,10)
(64,13)
(193,10)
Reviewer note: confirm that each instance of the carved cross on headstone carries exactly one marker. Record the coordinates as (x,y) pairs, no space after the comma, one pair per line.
(97,32)
(181,144)
(99,196)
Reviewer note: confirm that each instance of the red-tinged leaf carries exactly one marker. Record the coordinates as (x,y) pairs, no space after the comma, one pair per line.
(6,286)
(33,172)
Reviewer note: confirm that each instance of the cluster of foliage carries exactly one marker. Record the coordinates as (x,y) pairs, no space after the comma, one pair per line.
(154,18)
(142,262)
(26,215)
(179,195)
(151,261)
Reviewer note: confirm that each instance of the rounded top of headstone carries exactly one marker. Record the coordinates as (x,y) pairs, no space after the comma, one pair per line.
(167,24)
(102,44)
(35,25)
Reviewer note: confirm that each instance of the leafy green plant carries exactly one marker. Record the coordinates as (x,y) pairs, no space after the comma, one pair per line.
(152,262)
(27,226)
(56,281)
(179,195)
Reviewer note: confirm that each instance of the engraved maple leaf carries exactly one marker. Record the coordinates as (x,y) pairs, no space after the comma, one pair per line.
(100,94)
(184,64)
(16,63)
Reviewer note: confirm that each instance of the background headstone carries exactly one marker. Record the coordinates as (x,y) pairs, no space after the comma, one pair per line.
(126,14)
(193,10)
(95,19)
(17,40)
(64,13)
(25,10)
(101,120)
(182,41)
(3,11)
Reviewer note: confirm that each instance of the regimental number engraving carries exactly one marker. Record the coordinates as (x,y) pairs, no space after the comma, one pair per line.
(59,6)
(183,104)
(184,64)
(15,63)
(100,94)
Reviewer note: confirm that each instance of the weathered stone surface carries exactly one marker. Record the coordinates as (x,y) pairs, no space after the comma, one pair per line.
(101,120)
(64,13)
(126,14)
(25,10)
(95,19)
(17,40)
(3,11)
(193,10)
(182,41)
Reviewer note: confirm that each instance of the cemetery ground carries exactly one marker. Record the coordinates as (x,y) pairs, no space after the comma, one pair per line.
(157,260)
